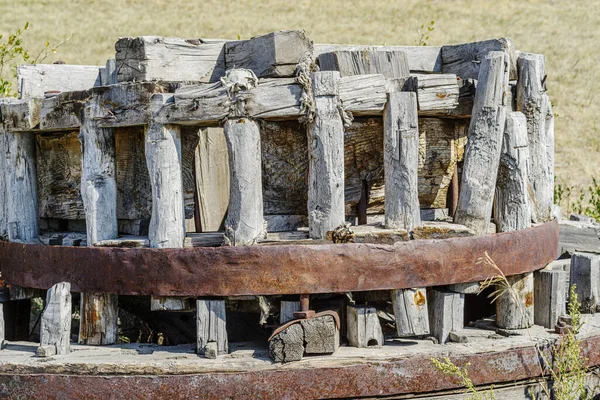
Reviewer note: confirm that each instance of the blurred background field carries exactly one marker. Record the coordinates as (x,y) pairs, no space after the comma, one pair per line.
(566,32)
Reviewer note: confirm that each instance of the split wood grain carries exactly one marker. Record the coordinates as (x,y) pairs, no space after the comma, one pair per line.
(446,313)
(55,323)
(550,287)
(287,310)
(411,312)
(484,145)
(326,157)
(515,307)
(34,80)
(466,60)
(391,64)
(99,316)
(401,155)
(363,327)
(211,325)
(585,275)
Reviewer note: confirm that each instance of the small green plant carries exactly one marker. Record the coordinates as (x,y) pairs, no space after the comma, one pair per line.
(448,368)
(424,32)
(13,52)
(588,202)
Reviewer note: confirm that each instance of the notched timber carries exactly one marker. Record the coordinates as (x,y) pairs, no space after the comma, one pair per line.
(465,59)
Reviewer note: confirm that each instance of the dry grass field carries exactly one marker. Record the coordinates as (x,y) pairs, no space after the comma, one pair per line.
(567,32)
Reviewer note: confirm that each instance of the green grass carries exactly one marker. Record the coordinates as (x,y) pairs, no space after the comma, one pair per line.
(565,31)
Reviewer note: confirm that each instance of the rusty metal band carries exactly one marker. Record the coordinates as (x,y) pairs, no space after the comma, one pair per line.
(282,269)
(352,379)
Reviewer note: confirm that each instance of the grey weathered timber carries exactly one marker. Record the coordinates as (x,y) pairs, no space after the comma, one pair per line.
(55,323)
(99,315)
(437,94)
(34,80)
(549,129)
(21,115)
(465,60)
(287,310)
(363,328)
(326,157)
(446,313)
(171,303)
(149,58)
(245,223)
(21,187)
(484,145)
(108,73)
(99,193)
(401,161)
(465,288)
(515,307)
(212,178)
(273,99)
(167,224)
(287,345)
(283,223)
(321,335)
(420,58)
(3,187)
(274,55)
(211,325)
(363,94)
(532,101)
(585,275)
(549,294)
(512,208)
(2,326)
(411,312)
(391,64)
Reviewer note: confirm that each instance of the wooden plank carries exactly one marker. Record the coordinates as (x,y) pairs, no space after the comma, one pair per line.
(20,115)
(364,329)
(206,105)
(58,160)
(532,102)
(401,146)
(482,153)
(391,64)
(446,313)
(287,310)
(585,275)
(154,58)
(420,58)
(549,294)
(55,323)
(410,311)
(465,60)
(211,326)
(108,73)
(274,55)
(21,187)
(363,94)
(326,157)
(63,111)
(3,188)
(244,224)
(515,307)
(34,80)
(273,99)
(2,326)
(512,210)
(99,316)
(437,94)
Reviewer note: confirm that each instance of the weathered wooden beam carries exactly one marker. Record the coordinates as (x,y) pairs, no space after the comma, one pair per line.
(512,209)
(35,80)
(437,94)
(2,326)
(401,161)
(515,307)
(363,94)
(585,275)
(55,322)
(245,223)
(20,115)
(364,329)
(326,157)
(274,55)
(108,73)
(532,101)
(484,145)
(420,58)
(391,64)
(411,312)
(273,99)
(98,311)
(446,313)
(549,295)
(3,188)
(21,187)
(465,60)
(211,326)
(154,58)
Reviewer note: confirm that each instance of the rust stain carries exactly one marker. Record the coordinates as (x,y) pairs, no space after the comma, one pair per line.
(441,95)
(529,299)
(419,298)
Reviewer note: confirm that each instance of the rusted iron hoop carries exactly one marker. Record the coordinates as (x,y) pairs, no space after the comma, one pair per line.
(282,269)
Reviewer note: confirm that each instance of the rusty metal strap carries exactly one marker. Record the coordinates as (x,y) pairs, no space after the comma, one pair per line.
(283,269)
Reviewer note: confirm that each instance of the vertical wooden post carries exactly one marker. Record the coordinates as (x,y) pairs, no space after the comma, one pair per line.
(167,222)
(326,157)
(515,307)
(287,310)
(532,101)
(3,187)
(484,144)
(585,275)
(410,312)
(2,326)
(21,187)
(211,325)
(401,161)
(364,329)
(55,328)
(245,222)
(446,313)
(550,301)
(99,311)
